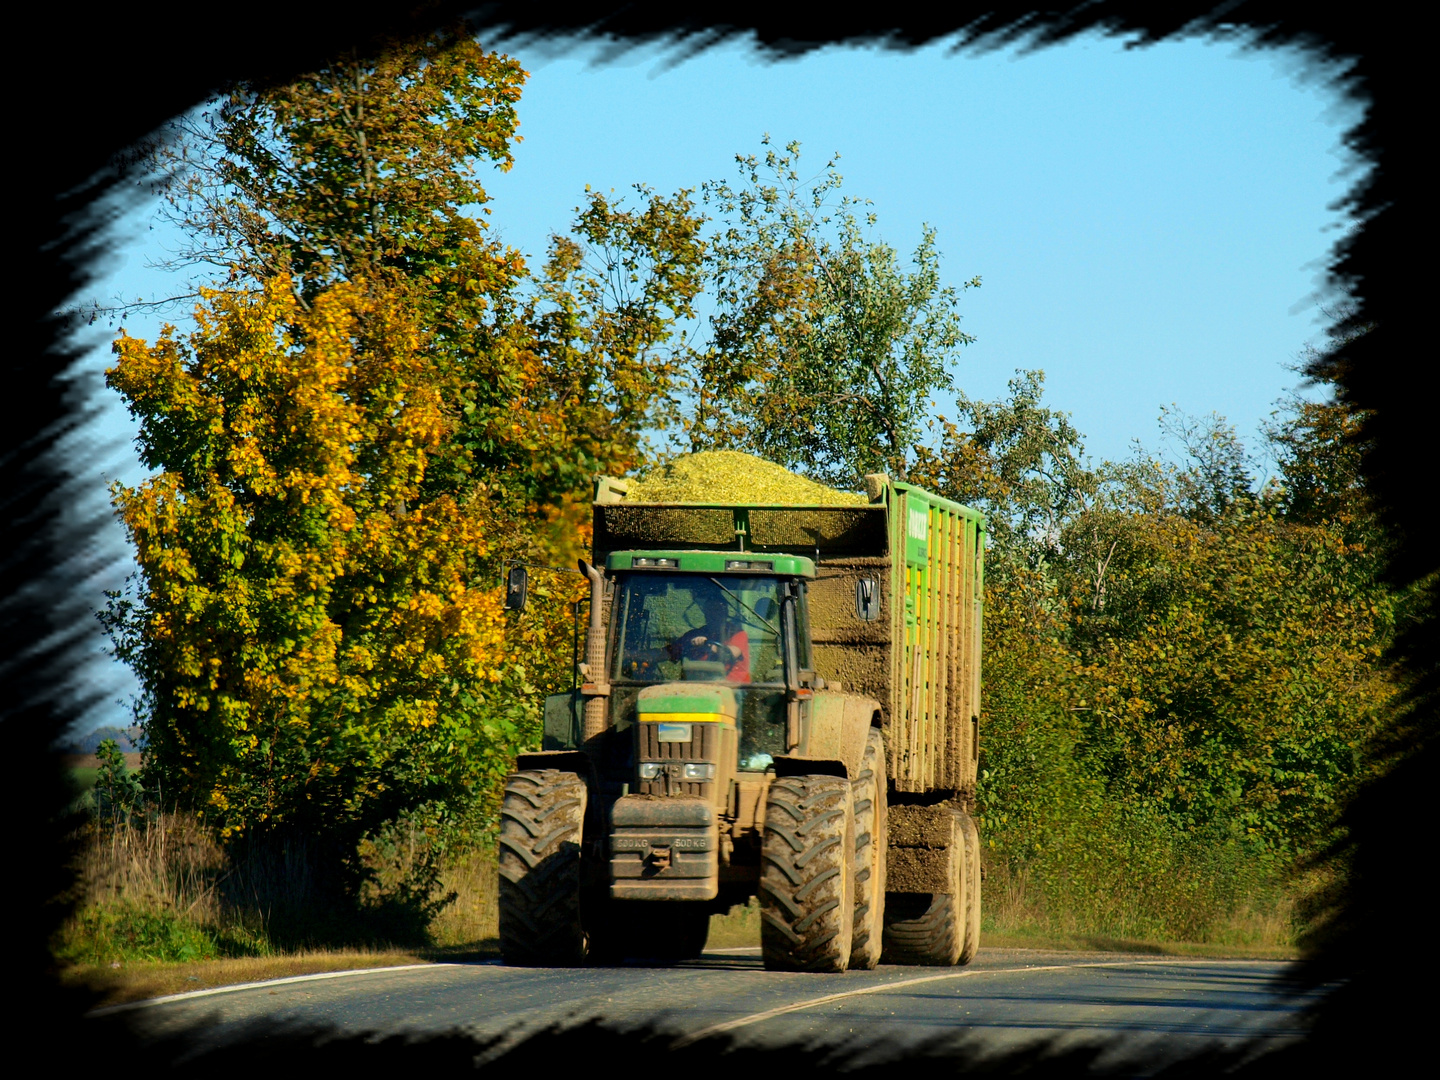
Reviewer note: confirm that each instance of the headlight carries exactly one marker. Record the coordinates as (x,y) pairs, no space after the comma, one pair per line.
(649,770)
(696,771)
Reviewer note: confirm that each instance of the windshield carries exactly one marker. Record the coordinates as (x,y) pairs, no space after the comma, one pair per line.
(674,627)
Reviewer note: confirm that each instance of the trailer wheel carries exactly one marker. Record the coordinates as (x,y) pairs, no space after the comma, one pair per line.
(871,844)
(807,905)
(929,928)
(541,825)
(972,889)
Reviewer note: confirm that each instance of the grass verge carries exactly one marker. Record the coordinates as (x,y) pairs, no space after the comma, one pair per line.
(1101,943)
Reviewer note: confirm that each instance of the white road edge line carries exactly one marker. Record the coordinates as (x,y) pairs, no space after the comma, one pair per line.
(810,1003)
(287,981)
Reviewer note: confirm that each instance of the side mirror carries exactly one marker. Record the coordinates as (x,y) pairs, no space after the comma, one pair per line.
(517,587)
(867,599)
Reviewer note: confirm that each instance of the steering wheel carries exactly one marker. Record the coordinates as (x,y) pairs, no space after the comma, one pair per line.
(690,649)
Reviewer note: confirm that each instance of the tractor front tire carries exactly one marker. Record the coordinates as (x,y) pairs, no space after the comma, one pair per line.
(542,822)
(807,903)
(871,844)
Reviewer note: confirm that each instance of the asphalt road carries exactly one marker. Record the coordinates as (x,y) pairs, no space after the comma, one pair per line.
(1004,998)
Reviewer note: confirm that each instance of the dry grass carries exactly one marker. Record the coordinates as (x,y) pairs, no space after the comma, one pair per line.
(168,864)
(172,869)
(160,903)
(473,918)
(993,939)
(1018,914)
(740,927)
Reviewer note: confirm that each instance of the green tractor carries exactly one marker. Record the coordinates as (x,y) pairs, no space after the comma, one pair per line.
(779,701)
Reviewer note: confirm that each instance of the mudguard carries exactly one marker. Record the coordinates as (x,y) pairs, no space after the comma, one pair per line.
(839,724)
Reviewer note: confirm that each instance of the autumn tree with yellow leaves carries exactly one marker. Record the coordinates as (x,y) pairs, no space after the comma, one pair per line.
(320,644)
(378,406)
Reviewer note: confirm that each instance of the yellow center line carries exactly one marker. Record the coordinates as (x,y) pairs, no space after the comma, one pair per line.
(882,988)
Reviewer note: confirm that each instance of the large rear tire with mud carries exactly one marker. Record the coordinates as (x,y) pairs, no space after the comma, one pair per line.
(807,905)
(542,820)
(972,888)
(930,928)
(871,844)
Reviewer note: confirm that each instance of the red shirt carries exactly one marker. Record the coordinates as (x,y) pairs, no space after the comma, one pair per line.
(736,671)
(740,670)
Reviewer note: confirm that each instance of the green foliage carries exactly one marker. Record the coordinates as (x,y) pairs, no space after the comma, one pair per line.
(317,639)
(379,408)
(1021,463)
(602,315)
(362,165)
(101,936)
(824,352)
(383,404)
(117,791)
(1184,674)
(1233,669)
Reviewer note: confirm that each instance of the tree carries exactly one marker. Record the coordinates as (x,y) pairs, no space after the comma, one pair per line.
(378,408)
(319,646)
(369,169)
(367,164)
(1019,461)
(602,317)
(824,351)
(1182,672)
(1234,658)
(1217,475)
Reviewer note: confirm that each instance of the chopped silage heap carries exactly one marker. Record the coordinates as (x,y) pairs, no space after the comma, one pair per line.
(730,477)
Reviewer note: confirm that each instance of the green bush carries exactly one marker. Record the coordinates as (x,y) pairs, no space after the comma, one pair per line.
(127,934)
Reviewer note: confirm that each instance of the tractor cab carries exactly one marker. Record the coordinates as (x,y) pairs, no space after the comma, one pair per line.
(708,626)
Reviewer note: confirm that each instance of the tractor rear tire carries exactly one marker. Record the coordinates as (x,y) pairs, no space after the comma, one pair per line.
(871,844)
(807,904)
(972,889)
(542,821)
(930,929)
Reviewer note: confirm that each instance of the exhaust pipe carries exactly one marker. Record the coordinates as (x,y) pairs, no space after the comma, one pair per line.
(596,690)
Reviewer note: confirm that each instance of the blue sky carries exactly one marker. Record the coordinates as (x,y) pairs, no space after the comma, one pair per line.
(1151,226)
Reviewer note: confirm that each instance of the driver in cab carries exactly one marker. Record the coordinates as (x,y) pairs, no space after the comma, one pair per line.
(719,639)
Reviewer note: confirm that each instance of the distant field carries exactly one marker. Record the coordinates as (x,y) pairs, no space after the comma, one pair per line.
(86,767)
(90,761)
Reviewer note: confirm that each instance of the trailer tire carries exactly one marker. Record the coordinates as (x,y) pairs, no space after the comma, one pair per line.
(972,889)
(871,844)
(542,820)
(930,928)
(807,905)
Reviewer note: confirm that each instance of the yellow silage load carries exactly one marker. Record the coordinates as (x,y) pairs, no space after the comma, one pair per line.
(731,478)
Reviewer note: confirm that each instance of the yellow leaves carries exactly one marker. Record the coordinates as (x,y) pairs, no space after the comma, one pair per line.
(303,608)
